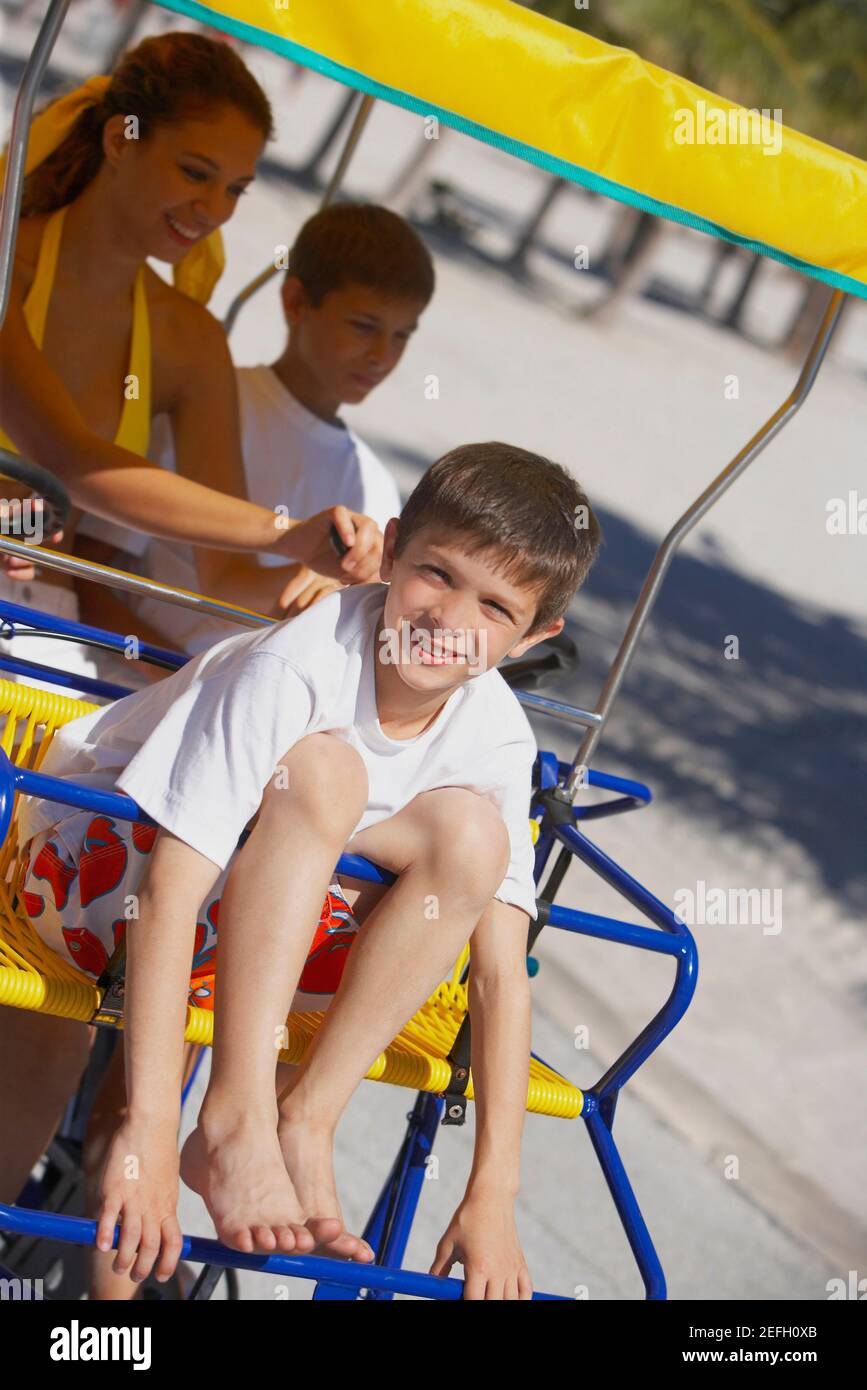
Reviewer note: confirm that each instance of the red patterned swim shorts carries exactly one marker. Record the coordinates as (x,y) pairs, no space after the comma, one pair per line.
(81,877)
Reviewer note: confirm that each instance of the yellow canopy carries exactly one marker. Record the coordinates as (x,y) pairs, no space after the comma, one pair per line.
(597,115)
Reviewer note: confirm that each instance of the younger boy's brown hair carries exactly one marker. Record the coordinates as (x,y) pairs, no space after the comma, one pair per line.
(501,498)
(361,244)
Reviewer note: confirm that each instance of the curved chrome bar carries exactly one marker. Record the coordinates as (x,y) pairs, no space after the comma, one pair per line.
(18,137)
(685,523)
(132,583)
(557,709)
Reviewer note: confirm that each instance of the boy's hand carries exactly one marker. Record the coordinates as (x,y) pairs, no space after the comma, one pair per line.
(139,1188)
(483,1238)
(303,589)
(310,542)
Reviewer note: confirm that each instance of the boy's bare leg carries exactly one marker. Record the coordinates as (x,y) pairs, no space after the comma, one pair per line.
(450,850)
(43,1061)
(362,897)
(233,1158)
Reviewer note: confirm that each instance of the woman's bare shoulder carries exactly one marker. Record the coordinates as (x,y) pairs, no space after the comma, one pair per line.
(188,345)
(182,327)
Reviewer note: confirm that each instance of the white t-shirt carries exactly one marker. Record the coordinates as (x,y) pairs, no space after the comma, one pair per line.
(197,750)
(292,460)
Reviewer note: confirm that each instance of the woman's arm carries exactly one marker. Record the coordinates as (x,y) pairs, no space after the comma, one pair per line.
(39,414)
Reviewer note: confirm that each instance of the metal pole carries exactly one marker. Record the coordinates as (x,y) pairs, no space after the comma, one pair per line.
(29,85)
(665,553)
(122,39)
(307,173)
(182,598)
(133,584)
(364,108)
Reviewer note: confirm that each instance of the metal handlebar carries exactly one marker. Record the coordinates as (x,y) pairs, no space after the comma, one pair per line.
(43,483)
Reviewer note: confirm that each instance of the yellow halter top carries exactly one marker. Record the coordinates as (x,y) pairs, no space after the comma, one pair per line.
(133,431)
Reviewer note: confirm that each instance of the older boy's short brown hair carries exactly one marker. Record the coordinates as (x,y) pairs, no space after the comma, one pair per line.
(500,498)
(361,244)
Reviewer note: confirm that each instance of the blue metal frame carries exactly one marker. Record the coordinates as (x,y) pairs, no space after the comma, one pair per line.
(51,625)
(390,1222)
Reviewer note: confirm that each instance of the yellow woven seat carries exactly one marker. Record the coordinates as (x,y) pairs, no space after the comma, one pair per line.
(32,976)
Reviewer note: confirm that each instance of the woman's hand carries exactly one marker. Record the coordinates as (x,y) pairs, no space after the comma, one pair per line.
(16,566)
(139,1188)
(310,542)
(483,1238)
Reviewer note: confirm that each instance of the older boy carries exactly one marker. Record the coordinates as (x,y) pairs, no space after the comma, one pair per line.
(374,723)
(359,278)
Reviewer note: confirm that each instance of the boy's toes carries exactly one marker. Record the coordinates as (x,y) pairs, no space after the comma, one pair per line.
(237,1238)
(324,1228)
(287,1242)
(264,1238)
(348,1247)
(304,1240)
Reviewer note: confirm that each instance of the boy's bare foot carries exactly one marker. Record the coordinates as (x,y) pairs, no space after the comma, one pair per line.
(306,1153)
(237,1169)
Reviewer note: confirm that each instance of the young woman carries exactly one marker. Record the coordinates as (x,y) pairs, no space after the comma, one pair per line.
(148,163)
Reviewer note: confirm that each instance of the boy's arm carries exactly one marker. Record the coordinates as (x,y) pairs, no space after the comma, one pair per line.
(159,949)
(499,1002)
(482,1235)
(139,1182)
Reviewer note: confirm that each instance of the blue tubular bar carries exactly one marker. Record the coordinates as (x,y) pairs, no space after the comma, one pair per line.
(677,941)
(88,685)
(610,929)
(354,866)
(11,613)
(633,795)
(29,783)
(409,1174)
(74,1230)
(599,1129)
(389,1225)
(192,1077)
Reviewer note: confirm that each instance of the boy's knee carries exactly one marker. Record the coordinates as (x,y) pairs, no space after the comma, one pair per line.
(325,779)
(465,830)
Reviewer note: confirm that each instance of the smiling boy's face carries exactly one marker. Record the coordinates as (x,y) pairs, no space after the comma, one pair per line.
(352,340)
(449,615)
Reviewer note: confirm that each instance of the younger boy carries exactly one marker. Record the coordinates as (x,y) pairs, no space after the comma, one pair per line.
(372,723)
(359,278)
